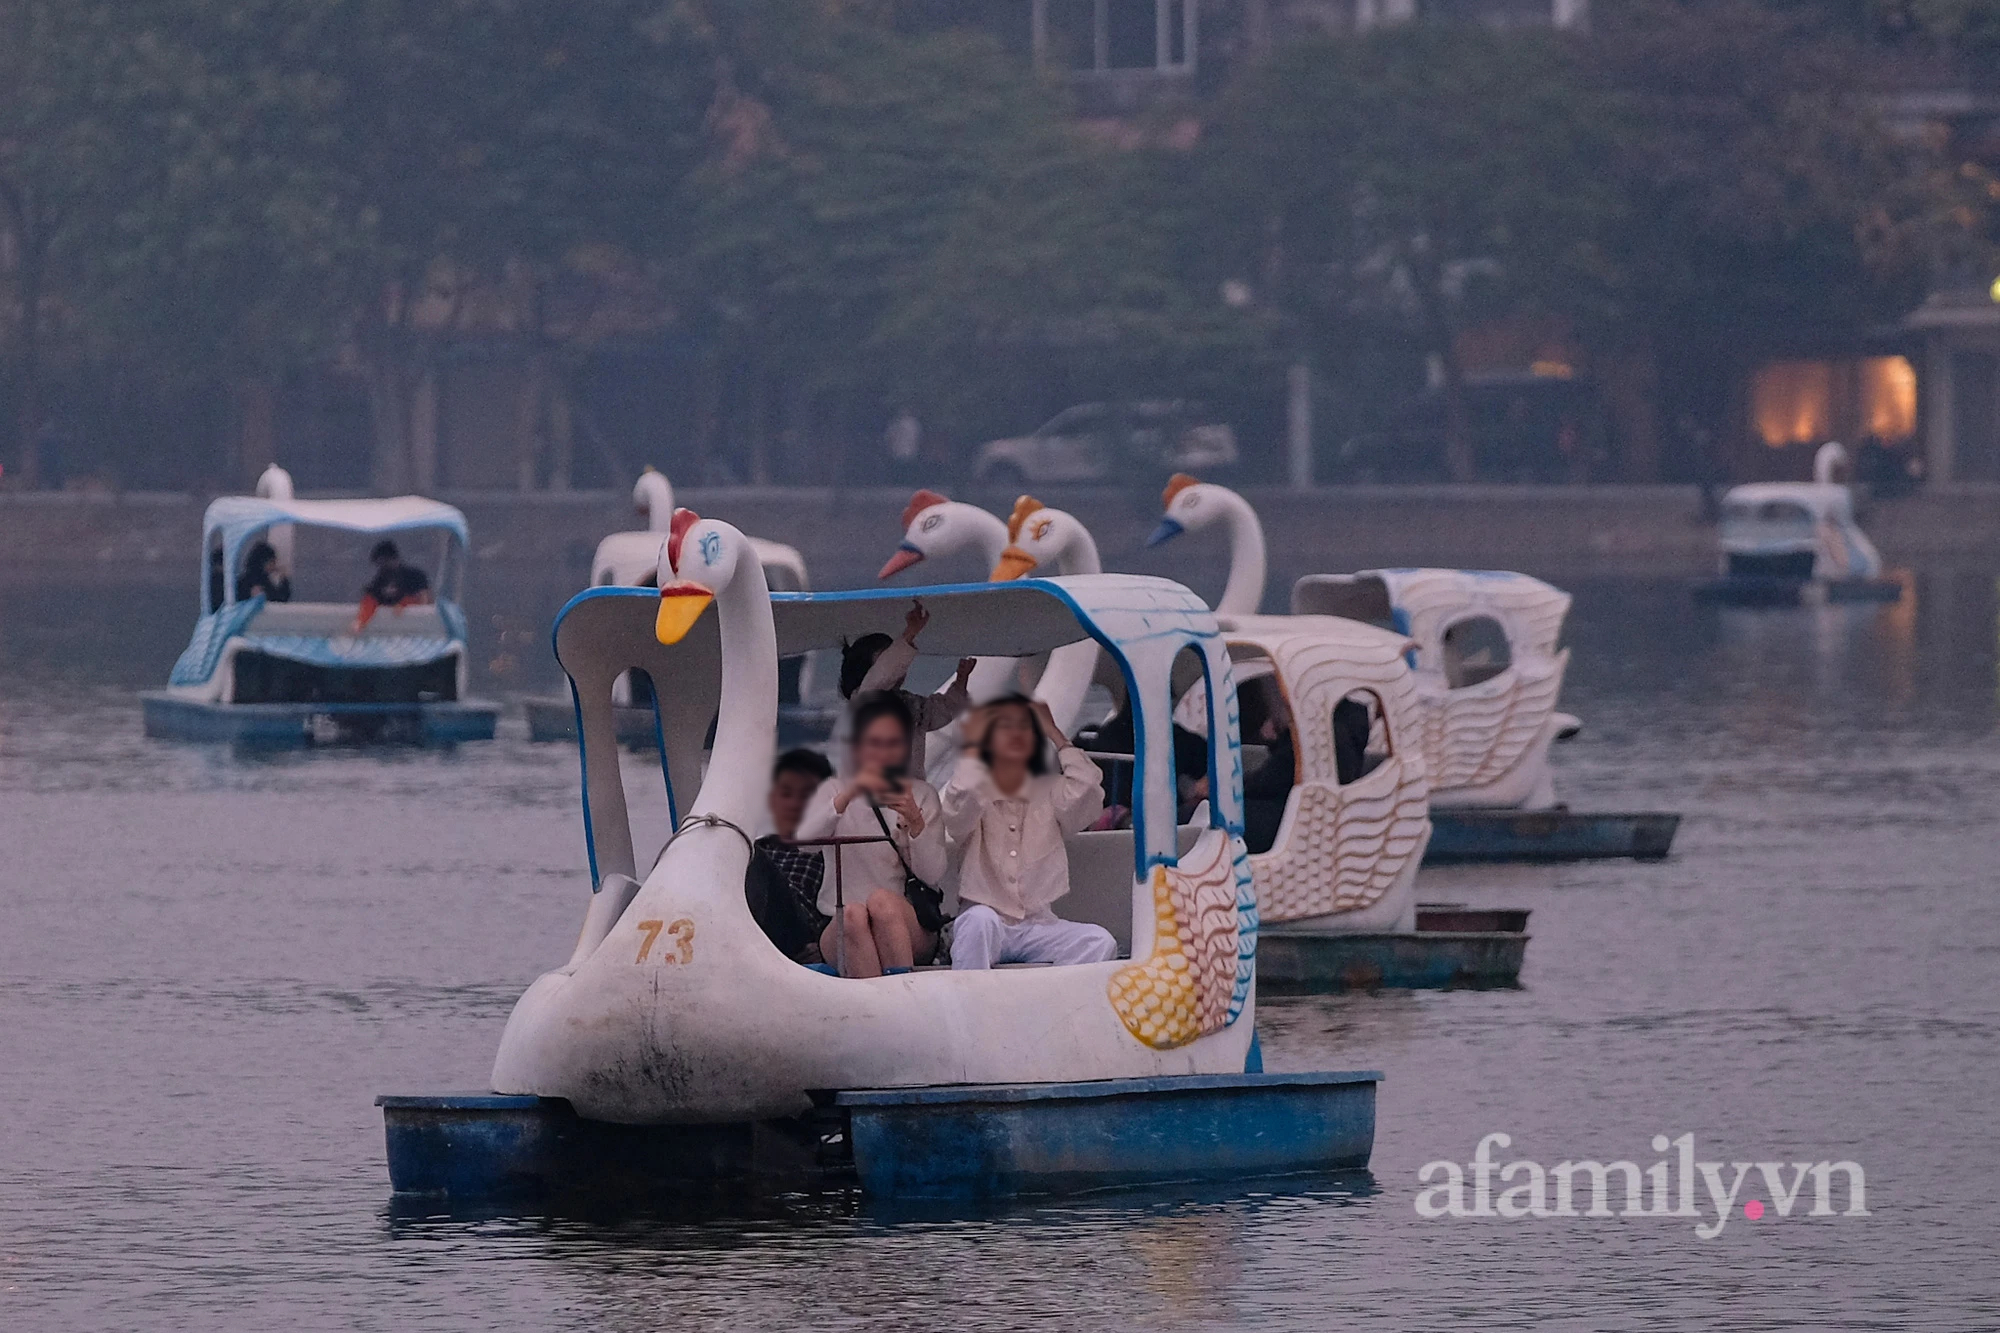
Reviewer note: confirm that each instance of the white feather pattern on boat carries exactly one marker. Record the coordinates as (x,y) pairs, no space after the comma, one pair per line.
(1341,849)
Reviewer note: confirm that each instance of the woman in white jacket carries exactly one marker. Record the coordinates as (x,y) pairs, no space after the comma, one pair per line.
(1005,816)
(882,928)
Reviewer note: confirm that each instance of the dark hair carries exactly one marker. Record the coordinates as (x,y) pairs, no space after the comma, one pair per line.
(259,555)
(385,550)
(857,658)
(1038,762)
(876,705)
(810,762)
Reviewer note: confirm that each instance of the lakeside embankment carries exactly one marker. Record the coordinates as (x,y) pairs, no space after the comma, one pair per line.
(1554,531)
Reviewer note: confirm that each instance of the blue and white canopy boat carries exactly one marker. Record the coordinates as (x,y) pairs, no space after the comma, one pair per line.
(291,672)
(674,1009)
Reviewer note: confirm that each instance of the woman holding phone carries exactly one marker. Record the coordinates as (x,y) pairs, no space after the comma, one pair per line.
(883,929)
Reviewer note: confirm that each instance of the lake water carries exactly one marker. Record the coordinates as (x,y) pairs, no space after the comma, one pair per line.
(210,964)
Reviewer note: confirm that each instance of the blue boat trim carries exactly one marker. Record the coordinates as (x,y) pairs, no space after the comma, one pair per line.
(469,1101)
(1008,1141)
(168,717)
(1296,961)
(1110,1087)
(1476,835)
(959,1143)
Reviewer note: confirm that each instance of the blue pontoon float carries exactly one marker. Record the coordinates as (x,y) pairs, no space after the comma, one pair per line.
(290,673)
(678,1048)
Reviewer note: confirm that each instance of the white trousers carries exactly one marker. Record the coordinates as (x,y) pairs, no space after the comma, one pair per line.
(981,938)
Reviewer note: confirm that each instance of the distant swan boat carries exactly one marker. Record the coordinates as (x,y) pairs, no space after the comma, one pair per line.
(1781,542)
(291,672)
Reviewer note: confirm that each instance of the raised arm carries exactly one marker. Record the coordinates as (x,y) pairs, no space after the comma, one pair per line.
(820,817)
(967,795)
(926,851)
(889,668)
(1079,793)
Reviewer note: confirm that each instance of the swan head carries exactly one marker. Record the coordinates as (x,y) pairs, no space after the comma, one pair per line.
(1034,537)
(699,559)
(653,496)
(931,526)
(274,483)
(1189,504)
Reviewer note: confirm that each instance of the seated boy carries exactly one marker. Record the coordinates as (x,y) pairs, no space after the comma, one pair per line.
(783,881)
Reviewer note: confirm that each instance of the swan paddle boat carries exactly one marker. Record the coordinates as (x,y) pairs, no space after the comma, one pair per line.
(1783,542)
(1485,652)
(287,673)
(631,559)
(678,1046)
(1335,849)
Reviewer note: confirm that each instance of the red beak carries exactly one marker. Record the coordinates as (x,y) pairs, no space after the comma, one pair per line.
(906,555)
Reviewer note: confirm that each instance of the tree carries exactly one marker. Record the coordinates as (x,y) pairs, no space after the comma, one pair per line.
(1764,192)
(1079,261)
(1410,179)
(843,155)
(80,84)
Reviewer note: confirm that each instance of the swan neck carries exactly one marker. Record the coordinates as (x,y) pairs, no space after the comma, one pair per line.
(1079,552)
(746,725)
(1244,593)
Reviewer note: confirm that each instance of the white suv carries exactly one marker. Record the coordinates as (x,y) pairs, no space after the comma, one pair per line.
(1104,441)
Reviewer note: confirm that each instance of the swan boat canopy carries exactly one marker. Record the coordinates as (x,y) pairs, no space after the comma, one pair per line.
(261,670)
(1487,666)
(1797,530)
(632,560)
(674,1007)
(1781,540)
(1339,850)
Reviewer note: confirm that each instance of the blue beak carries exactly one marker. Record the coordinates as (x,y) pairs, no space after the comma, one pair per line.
(1166,532)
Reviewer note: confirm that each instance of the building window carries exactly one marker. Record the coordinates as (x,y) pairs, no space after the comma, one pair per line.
(1854,398)
(1792,402)
(1888,393)
(1099,36)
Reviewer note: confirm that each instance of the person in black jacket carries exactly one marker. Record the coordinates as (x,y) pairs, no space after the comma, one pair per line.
(783,880)
(262,575)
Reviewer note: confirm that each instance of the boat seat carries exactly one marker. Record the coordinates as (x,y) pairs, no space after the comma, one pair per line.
(331,619)
(1100,879)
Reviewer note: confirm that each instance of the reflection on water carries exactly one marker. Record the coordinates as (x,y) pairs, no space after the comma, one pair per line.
(211,962)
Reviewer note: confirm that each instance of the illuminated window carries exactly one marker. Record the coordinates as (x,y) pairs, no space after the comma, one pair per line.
(1888,397)
(1791,402)
(1810,402)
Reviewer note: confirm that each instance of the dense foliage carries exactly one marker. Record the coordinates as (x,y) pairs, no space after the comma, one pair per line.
(838,209)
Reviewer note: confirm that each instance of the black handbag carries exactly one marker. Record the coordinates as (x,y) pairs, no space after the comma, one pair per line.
(775,907)
(925,901)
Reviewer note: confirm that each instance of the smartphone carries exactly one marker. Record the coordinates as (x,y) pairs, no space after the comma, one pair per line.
(897,776)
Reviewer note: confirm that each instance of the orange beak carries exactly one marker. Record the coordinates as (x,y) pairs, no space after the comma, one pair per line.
(906,555)
(1014,563)
(681,604)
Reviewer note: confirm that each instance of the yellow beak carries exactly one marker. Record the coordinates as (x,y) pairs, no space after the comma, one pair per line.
(1014,564)
(681,604)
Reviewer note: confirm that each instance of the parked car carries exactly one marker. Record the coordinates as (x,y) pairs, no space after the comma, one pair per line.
(1524,428)
(1106,441)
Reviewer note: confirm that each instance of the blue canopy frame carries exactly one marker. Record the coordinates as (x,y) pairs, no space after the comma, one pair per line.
(1142,623)
(240,519)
